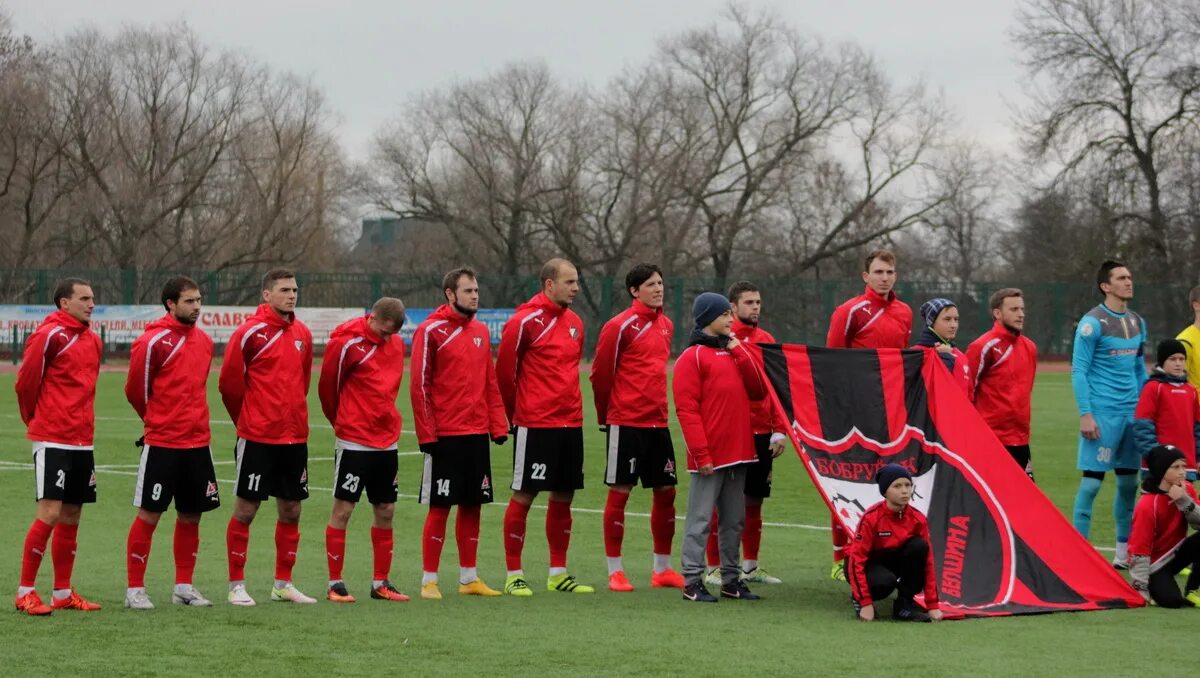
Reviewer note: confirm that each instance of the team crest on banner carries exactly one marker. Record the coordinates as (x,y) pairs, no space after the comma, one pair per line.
(1000,546)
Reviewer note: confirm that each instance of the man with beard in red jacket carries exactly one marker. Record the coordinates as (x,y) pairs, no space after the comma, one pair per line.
(629,383)
(167,386)
(457,409)
(264,385)
(56,393)
(537,370)
(874,319)
(360,378)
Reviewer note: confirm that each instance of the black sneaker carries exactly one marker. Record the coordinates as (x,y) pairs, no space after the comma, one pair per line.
(739,591)
(908,611)
(698,594)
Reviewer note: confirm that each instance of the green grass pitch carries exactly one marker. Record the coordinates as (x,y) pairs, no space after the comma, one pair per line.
(804,626)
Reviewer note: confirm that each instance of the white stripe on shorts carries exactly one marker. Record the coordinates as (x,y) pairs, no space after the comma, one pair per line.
(239,449)
(39,471)
(337,469)
(519,458)
(141,476)
(426,479)
(614,434)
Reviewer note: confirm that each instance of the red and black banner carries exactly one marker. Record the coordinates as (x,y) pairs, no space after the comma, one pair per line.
(1001,547)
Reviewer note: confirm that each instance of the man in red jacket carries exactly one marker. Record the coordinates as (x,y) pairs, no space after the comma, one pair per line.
(874,319)
(264,385)
(537,370)
(457,409)
(167,386)
(629,383)
(56,393)
(1003,362)
(716,379)
(360,378)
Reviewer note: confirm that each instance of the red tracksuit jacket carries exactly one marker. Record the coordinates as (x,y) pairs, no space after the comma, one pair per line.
(762,413)
(1003,364)
(265,377)
(453,382)
(1159,527)
(713,389)
(537,367)
(1173,413)
(56,384)
(881,529)
(360,379)
(629,370)
(871,321)
(167,383)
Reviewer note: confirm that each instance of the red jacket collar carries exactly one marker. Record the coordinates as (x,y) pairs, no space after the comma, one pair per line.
(542,302)
(878,298)
(644,311)
(268,315)
(169,321)
(66,320)
(358,327)
(449,314)
(1001,327)
(740,327)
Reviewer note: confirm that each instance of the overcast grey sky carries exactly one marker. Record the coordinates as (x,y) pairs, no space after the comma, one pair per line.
(369,55)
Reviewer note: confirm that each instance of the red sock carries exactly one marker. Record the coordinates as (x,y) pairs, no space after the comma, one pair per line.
(287,542)
(35,548)
(712,551)
(335,551)
(614,522)
(466,533)
(515,517)
(662,520)
(62,552)
(839,539)
(137,552)
(433,537)
(752,533)
(237,539)
(558,531)
(186,546)
(381,546)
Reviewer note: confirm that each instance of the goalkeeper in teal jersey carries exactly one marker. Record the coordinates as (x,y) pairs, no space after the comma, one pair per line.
(1107,373)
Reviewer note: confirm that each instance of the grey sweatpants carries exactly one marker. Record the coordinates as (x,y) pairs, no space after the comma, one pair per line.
(724,491)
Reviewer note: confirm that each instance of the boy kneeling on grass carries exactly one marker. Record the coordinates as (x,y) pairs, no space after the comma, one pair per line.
(891,552)
(1159,545)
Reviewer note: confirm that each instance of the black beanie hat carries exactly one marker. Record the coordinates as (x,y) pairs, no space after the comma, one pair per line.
(1168,348)
(707,307)
(1158,461)
(886,475)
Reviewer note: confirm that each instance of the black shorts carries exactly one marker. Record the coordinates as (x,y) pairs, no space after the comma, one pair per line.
(68,476)
(372,470)
(459,471)
(1023,457)
(548,459)
(758,476)
(645,453)
(185,474)
(266,470)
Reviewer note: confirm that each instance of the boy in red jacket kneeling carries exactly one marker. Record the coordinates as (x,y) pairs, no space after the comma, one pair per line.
(891,552)
(1159,545)
(715,380)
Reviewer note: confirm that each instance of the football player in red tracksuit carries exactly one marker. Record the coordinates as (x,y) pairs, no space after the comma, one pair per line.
(1168,411)
(537,370)
(1159,545)
(769,437)
(716,379)
(891,551)
(457,410)
(167,386)
(56,393)
(874,319)
(360,379)
(941,328)
(629,382)
(1003,362)
(264,384)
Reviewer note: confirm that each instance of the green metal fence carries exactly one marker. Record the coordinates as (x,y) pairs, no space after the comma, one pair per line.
(795,310)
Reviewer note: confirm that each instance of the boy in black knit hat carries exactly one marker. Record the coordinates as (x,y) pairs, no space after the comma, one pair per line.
(1159,545)
(1168,412)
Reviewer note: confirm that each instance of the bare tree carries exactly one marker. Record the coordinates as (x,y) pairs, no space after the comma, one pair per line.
(966,225)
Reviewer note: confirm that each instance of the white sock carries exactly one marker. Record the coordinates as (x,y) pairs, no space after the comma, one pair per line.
(281,583)
(428,577)
(334,582)
(516,573)
(234,584)
(466,575)
(62,594)
(555,571)
(183,588)
(23,590)
(749,566)
(662,562)
(135,589)
(1122,550)
(376,583)
(614,565)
